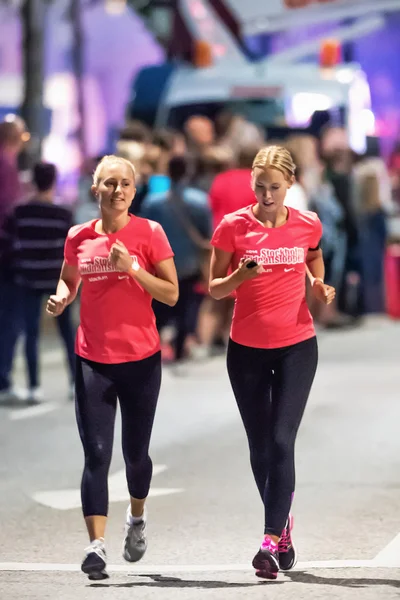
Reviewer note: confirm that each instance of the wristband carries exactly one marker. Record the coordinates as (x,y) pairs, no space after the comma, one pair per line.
(318,279)
(135,264)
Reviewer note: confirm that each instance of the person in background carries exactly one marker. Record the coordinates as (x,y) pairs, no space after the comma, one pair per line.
(338,161)
(394,172)
(373,204)
(309,167)
(235,132)
(154,170)
(208,165)
(133,141)
(213,317)
(13,136)
(231,190)
(297,196)
(200,134)
(135,131)
(87,206)
(36,233)
(170,142)
(334,246)
(184,214)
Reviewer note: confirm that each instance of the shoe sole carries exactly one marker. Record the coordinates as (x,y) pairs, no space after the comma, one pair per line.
(98,576)
(95,569)
(266,575)
(126,555)
(266,565)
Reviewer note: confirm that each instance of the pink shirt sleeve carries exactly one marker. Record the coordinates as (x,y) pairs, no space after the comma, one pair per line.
(316,234)
(70,250)
(160,248)
(223,237)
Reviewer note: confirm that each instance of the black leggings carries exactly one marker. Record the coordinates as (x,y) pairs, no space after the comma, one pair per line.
(271,388)
(137,386)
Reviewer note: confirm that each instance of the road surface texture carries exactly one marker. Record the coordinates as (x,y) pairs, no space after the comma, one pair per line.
(205,516)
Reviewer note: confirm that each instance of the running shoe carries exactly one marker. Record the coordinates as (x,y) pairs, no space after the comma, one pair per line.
(135,542)
(286,549)
(95,561)
(266,561)
(13,395)
(35,396)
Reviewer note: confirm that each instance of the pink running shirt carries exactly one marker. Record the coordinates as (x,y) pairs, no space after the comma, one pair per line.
(117,320)
(270,310)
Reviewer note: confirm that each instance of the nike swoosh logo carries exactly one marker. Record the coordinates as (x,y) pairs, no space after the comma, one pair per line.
(122,276)
(288,270)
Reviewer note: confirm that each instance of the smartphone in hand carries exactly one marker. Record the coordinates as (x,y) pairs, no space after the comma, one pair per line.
(251,264)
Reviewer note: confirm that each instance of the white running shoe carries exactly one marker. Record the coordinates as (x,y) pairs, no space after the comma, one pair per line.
(35,395)
(13,395)
(135,542)
(95,560)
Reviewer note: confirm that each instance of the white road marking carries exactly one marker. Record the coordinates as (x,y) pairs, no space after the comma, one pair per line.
(390,554)
(32,411)
(388,558)
(150,569)
(70,499)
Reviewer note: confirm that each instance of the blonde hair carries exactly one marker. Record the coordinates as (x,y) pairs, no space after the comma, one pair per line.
(111,159)
(275,157)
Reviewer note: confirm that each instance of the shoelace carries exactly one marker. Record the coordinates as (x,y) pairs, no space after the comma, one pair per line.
(268,544)
(137,530)
(284,542)
(96,546)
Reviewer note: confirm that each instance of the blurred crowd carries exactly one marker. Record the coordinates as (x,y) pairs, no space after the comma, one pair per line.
(187,181)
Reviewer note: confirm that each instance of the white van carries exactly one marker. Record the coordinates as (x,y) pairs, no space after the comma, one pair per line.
(270,96)
(276,91)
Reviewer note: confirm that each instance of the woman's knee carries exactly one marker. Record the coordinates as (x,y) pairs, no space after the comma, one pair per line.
(282,448)
(97,456)
(138,464)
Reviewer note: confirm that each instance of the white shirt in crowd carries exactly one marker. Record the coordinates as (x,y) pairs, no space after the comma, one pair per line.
(296,197)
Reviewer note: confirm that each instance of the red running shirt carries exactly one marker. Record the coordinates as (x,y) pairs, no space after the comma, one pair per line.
(117,319)
(271,310)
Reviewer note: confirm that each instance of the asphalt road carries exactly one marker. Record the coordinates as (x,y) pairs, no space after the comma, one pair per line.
(205,517)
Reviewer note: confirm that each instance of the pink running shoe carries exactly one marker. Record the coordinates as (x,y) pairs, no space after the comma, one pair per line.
(266,561)
(287,551)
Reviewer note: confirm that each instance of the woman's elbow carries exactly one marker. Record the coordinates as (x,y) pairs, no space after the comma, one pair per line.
(173,297)
(214,292)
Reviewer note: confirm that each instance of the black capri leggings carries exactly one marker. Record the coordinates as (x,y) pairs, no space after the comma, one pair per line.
(271,388)
(136,385)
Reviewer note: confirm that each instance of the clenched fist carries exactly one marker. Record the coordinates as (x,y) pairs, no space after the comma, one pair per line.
(120,257)
(56,305)
(324,293)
